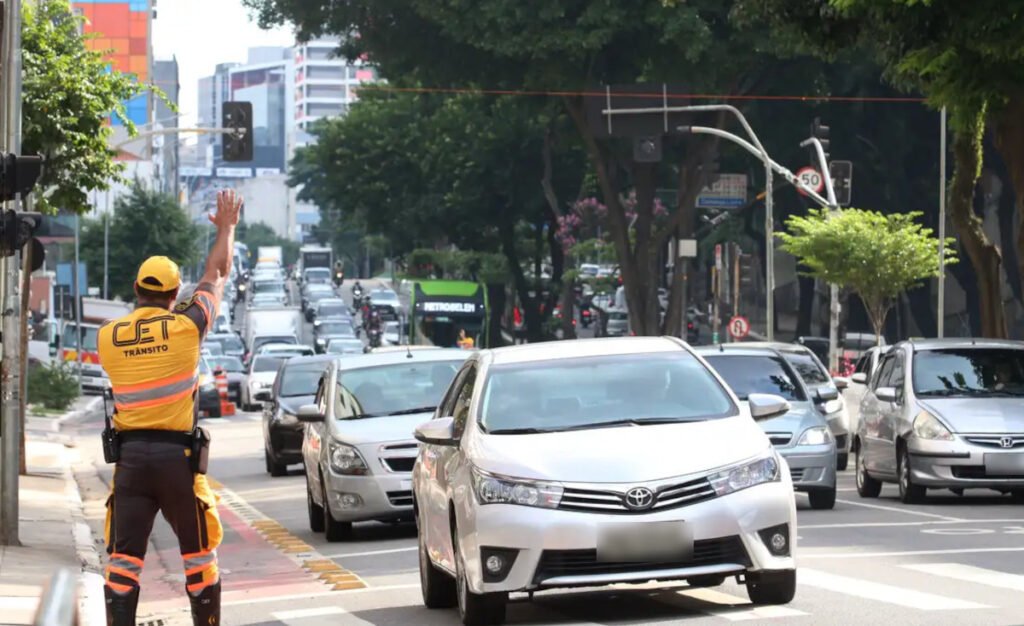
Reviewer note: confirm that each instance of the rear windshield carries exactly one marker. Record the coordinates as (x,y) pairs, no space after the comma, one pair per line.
(808,368)
(266,364)
(748,374)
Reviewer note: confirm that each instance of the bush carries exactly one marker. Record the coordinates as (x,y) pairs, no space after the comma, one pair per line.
(54,386)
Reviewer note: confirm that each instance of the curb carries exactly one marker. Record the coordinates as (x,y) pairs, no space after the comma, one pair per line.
(91,603)
(54,424)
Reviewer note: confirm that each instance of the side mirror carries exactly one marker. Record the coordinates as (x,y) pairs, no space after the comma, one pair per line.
(886,394)
(860,378)
(439,432)
(263,395)
(764,406)
(841,382)
(825,394)
(309,413)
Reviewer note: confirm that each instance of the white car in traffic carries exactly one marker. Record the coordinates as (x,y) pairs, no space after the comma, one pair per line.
(598,462)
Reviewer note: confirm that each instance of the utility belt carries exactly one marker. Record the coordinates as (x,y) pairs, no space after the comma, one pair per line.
(197,441)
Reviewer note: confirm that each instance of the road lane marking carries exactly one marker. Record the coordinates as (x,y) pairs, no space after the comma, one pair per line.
(371,553)
(894,509)
(971,574)
(303,613)
(871,555)
(735,608)
(929,523)
(879,592)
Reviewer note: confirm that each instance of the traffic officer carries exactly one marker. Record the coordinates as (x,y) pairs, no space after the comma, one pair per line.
(152,357)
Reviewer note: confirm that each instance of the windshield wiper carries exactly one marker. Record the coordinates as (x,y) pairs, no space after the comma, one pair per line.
(641,421)
(422,409)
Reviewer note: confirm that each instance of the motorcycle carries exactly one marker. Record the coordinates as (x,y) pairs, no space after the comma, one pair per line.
(339,278)
(374,334)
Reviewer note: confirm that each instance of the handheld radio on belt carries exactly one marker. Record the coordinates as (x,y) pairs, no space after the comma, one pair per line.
(111,440)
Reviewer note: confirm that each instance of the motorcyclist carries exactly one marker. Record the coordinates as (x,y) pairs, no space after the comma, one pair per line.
(339,273)
(373,327)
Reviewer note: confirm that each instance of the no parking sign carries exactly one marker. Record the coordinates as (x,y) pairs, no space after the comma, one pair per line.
(739,327)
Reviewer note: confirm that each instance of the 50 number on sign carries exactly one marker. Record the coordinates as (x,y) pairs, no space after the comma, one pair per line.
(811,178)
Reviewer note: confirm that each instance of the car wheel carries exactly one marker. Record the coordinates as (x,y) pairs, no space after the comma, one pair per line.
(772,587)
(822,499)
(867,487)
(273,468)
(316,512)
(438,588)
(842,461)
(333,529)
(909,492)
(215,412)
(475,609)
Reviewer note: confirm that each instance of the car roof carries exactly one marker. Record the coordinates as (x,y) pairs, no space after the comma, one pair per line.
(581,348)
(330,301)
(778,346)
(402,355)
(315,358)
(287,347)
(736,349)
(964,342)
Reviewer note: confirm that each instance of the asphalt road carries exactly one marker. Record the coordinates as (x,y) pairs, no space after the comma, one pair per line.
(955,560)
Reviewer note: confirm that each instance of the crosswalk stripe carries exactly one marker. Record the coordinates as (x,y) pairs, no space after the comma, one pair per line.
(971,574)
(735,608)
(880,592)
(305,613)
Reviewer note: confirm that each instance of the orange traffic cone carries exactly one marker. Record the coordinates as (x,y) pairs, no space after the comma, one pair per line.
(226,407)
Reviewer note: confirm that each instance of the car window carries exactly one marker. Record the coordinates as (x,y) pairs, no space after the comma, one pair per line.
(884,372)
(463,399)
(809,369)
(265,364)
(863,365)
(592,391)
(757,373)
(300,379)
(969,372)
(227,363)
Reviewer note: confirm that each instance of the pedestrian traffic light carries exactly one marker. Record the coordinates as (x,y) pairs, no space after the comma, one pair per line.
(18,174)
(821,132)
(237,118)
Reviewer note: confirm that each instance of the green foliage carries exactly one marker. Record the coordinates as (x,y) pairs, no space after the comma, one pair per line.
(876,256)
(55,385)
(145,223)
(68,95)
(457,265)
(260,234)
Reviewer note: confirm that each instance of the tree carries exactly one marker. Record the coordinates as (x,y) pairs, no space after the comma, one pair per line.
(260,234)
(876,256)
(145,222)
(69,92)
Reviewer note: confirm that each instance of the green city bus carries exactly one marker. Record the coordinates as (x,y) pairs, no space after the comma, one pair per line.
(440,308)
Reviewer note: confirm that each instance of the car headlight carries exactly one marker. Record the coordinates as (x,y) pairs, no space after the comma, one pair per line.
(320,342)
(492,489)
(817,436)
(346,460)
(927,426)
(746,475)
(241,287)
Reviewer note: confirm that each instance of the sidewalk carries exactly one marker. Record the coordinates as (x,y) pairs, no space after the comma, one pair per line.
(52,530)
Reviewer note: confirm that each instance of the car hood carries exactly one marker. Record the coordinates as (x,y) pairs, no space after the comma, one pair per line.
(629,454)
(377,429)
(291,404)
(978,415)
(800,417)
(264,377)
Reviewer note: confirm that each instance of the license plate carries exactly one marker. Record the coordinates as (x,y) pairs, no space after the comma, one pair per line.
(405,485)
(645,542)
(1006,464)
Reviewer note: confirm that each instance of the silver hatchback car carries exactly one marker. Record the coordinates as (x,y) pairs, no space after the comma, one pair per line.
(944,414)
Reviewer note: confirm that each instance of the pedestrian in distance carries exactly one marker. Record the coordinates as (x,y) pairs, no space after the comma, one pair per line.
(465,341)
(152,358)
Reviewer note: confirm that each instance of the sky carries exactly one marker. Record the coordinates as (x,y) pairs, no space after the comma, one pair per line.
(203,33)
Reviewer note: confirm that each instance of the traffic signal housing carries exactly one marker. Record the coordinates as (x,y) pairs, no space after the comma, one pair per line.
(18,174)
(237,118)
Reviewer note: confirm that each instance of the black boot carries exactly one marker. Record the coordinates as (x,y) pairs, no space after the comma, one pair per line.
(206,606)
(121,606)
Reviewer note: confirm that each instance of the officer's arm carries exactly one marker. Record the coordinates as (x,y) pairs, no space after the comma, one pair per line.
(218,262)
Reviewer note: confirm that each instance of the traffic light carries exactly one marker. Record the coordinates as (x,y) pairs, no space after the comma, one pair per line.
(820,131)
(18,174)
(237,117)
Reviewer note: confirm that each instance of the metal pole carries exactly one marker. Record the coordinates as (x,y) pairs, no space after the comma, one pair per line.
(11,409)
(769,241)
(77,295)
(942,225)
(106,249)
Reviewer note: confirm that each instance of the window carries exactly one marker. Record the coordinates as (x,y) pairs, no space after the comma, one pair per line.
(463,400)
(301,379)
(808,367)
(327,91)
(319,54)
(757,373)
(325,109)
(884,371)
(325,72)
(863,365)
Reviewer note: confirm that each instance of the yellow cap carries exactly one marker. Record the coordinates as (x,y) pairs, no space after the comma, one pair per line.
(158,273)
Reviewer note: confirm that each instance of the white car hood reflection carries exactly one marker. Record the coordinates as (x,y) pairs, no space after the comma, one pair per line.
(627,454)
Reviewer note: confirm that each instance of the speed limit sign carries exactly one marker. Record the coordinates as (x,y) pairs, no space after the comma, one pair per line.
(810,177)
(739,327)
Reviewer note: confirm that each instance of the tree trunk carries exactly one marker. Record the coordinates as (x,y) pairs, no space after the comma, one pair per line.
(1008,135)
(554,212)
(496,297)
(531,315)
(983,254)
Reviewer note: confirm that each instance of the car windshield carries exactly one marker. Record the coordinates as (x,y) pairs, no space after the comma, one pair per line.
(213,347)
(266,364)
(969,372)
(393,389)
(268,286)
(336,328)
(601,391)
(748,374)
(318,273)
(259,342)
(227,363)
(300,379)
(332,309)
(383,295)
(808,369)
(89,334)
(230,343)
(354,346)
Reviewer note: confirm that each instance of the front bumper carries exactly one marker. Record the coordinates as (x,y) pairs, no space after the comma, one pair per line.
(964,465)
(839,426)
(811,467)
(96,384)
(209,400)
(285,445)
(556,548)
(380,496)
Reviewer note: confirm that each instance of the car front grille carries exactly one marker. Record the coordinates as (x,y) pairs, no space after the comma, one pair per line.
(396,457)
(400,464)
(666,497)
(977,472)
(400,498)
(780,439)
(996,441)
(796,474)
(721,550)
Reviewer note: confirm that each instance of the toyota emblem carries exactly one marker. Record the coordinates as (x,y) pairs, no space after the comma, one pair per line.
(639,499)
(1006,442)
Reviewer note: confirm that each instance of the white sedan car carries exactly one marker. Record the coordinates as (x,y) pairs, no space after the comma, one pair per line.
(598,462)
